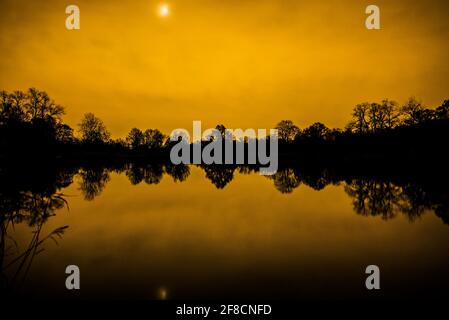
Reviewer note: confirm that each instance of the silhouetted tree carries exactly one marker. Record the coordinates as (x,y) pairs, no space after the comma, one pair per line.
(222,130)
(359,122)
(151,139)
(64,133)
(372,117)
(30,122)
(40,106)
(442,112)
(135,138)
(154,139)
(287,130)
(119,143)
(93,130)
(415,113)
(390,114)
(316,131)
(375,117)
(12,107)
(335,133)
(380,116)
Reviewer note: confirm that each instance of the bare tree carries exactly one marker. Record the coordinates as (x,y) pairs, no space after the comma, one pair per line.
(415,113)
(359,121)
(12,106)
(391,114)
(372,117)
(40,106)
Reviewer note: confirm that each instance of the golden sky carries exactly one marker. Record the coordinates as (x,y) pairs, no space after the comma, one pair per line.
(247,63)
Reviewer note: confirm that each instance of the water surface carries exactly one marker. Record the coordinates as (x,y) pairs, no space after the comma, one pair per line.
(145,234)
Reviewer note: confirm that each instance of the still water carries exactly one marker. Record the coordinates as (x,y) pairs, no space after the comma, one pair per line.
(157,237)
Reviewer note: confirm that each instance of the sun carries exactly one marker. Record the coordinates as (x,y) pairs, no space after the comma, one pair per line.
(164,10)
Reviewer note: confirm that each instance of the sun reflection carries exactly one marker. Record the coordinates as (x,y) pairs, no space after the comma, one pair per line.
(162,293)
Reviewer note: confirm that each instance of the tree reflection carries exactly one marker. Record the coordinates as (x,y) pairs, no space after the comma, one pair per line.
(246,169)
(442,211)
(34,209)
(372,198)
(386,199)
(151,173)
(286,180)
(219,175)
(135,174)
(93,181)
(179,172)
(317,178)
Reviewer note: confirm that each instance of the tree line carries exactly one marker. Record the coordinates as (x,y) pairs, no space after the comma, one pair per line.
(368,118)
(385,197)
(33,118)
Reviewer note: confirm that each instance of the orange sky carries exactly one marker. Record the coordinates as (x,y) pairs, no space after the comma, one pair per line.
(247,63)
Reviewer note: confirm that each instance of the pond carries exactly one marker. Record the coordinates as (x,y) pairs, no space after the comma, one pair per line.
(165,232)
